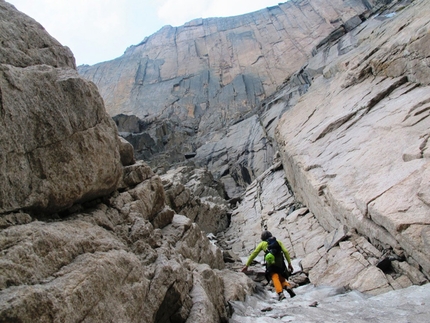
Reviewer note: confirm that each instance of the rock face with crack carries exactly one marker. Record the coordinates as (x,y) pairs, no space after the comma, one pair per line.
(88,234)
(355,147)
(191,89)
(213,71)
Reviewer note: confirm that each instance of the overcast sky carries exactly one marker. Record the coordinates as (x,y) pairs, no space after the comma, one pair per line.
(101,30)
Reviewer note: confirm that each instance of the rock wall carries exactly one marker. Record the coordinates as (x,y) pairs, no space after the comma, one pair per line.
(355,146)
(348,195)
(210,72)
(192,85)
(341,258)
(85,232)
(128,259)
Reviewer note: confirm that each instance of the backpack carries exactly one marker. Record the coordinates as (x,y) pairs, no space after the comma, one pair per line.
(273,252)
(275,259)
(273,246)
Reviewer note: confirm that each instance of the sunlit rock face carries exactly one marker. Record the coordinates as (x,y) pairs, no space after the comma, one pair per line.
(210,72)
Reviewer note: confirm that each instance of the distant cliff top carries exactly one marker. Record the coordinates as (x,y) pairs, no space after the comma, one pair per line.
(211,72)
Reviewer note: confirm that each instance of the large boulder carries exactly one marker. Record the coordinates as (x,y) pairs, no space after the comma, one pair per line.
(85,232)
(112,262)
(58,146)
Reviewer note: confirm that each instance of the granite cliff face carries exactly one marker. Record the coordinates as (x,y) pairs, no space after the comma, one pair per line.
(191,85)
(209,73)
(356,146)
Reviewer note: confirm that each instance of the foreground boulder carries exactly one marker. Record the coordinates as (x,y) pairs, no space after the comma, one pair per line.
(86,235)
(58,146)
(130,259)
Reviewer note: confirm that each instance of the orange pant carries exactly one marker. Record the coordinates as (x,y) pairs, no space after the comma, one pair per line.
(279,282)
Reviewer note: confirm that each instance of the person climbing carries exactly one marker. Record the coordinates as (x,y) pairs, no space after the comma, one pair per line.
(275,264)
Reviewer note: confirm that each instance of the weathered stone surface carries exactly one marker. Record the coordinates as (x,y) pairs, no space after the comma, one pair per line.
(109,255)
(26,43)
(335,237)
(341,258)
(58,145)
(241,152)
(195,193)
(204,79)
(193,70)
(111,262)
(135,174)
(354,147)
(128,257)
(126,152)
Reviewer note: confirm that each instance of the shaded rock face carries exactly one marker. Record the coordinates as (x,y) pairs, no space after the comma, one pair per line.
(85,232)
(192,85)
(50,118)
(127,259)
(195,194)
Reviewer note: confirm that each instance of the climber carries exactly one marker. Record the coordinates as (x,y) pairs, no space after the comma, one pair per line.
(275,265)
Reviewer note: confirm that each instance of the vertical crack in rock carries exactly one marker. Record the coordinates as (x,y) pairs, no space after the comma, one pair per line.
(423,147)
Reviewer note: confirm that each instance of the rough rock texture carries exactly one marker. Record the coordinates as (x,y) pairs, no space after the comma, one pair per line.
(195,194)
(85,233)
(355,146)
(347,193)
(214,64)
(189,86)
(340,258)
(115,262)
(49,118)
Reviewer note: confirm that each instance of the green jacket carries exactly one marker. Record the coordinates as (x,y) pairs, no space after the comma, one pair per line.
(262,246)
